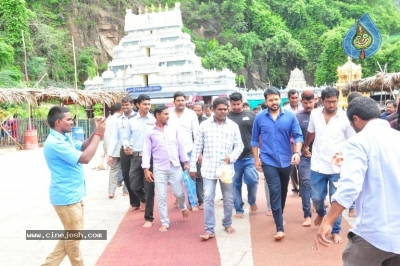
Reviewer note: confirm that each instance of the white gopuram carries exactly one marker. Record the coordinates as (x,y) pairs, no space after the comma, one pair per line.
(157,58)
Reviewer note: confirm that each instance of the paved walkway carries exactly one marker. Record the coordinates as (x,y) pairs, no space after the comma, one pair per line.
(25,205)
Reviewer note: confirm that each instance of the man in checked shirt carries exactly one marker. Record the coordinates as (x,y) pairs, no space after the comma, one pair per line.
(219,139)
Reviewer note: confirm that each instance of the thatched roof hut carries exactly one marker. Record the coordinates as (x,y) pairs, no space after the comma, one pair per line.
(381,82)
(16,96)
(81,97)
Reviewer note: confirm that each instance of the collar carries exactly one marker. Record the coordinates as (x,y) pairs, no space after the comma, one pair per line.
(376,122)
(282,111)
(58,134)
(224,122)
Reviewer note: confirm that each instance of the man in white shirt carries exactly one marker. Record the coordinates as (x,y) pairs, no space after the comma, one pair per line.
(115,168)
(186,121)
(370,176)
(330,129)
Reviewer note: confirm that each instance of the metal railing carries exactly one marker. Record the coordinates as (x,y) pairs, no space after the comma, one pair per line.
(17,127)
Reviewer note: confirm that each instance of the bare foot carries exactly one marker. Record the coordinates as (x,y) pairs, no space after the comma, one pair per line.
(307,222)
(176,203)
(142,206)
(163,228)
(201,206)
(229,229)
(147,224)
(239,215)
(185,213)
(110,196)
(318,220)
(125,194)
(195,209)
(132,208)
(269,213)
(253,208)
(206,236)
(279,235)
(337,239)
(352,213)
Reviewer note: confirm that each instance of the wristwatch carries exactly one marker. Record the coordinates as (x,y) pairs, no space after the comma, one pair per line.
(299,153)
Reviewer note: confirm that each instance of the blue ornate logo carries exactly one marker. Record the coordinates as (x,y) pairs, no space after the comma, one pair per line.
(363,39)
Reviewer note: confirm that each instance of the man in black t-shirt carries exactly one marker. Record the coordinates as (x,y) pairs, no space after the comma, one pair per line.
(244,166)
(303,116)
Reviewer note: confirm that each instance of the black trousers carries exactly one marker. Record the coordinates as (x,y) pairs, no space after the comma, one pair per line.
(136,178)
(125,167)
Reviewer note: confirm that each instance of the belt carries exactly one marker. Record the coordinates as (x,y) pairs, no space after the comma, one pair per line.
(137,153)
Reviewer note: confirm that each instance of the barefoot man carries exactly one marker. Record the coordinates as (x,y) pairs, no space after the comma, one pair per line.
(244,166)
(273,127)
(369,176)
(219,140)
(133,143)
(164,145)
(330,129)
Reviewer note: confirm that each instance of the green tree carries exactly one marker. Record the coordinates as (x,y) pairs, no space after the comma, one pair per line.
(6,54)
(14,16)
(85,64)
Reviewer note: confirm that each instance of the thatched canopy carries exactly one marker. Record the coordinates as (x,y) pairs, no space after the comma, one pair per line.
(16,96)
(382,81)
(81,97)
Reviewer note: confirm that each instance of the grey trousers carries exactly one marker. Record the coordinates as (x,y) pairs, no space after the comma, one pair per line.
(359,252)
(113,176)
(161,179)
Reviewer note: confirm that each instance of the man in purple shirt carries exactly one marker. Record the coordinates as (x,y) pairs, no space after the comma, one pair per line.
(164,144)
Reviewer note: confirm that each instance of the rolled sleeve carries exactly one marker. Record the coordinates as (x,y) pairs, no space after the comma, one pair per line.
(146,154)
(311,125)
(255,135)
(354,168)
(197,148)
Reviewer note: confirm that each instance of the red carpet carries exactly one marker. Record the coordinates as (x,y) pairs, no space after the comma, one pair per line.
(296,247)
(181,245)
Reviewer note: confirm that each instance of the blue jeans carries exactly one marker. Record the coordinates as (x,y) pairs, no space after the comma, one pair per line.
(305,185)
(209,210)
(245,168)
(319,183)
(277,181)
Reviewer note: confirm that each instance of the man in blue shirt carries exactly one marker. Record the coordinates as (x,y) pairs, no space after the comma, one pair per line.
(64,157)
(274,127)
(369,176)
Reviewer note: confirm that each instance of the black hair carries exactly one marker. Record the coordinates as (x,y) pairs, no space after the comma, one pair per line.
(117,107)
(271,91)
(256,108)
(307,95)
(56,113)
(178,94)
(127,99)
(236,96)
(246,104)
(199,104)
(392,102)
(329,92)
(292,92)
(142,97)
(219,101)
(264,106)
(159,109)
(208,106)
(363,107)
(352,95)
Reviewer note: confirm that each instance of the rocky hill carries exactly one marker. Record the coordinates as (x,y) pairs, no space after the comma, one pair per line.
(261,40)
